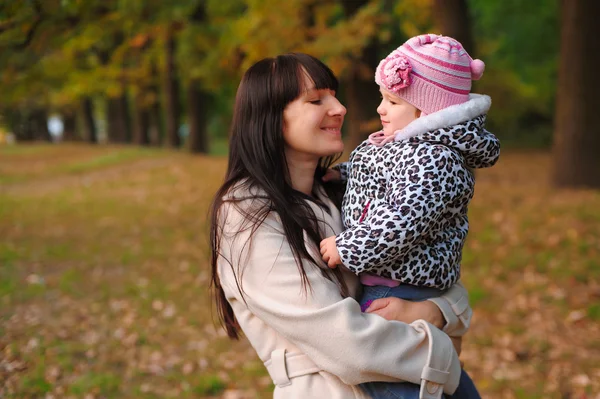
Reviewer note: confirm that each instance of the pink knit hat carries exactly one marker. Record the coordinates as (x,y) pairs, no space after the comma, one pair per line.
(429,71)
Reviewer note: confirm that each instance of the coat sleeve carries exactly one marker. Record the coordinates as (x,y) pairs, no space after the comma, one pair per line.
(455,307)
(331,330)
(414,202)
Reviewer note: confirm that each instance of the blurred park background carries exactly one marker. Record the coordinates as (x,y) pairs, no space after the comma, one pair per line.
(113,134)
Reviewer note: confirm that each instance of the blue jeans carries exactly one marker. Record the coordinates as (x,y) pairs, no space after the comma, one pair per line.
(406,390)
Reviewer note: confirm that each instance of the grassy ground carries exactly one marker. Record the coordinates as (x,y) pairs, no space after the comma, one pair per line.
(104,276)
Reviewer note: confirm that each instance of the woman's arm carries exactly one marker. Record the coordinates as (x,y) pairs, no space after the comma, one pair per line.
(450,312)
(332,331)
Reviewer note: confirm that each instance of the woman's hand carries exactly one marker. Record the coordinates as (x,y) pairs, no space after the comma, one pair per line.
(407,311)
(391,308)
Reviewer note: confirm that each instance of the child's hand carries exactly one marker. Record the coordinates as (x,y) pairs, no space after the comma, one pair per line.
(330,253)
(332,175)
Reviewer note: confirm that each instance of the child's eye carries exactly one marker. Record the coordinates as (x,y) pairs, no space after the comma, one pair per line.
(316,102)
(387,99)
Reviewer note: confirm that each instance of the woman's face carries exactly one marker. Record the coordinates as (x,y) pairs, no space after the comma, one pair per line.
(313,123)
(395,113)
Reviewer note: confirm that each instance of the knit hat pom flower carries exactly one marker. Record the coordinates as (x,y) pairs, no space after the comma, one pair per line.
(395,72)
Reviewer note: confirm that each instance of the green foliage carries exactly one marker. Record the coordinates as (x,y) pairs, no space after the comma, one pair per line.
(35,385)
(519,41)
(56,52)
(593,312)
(342,44)
(103,383)
(209,385)
(8,281)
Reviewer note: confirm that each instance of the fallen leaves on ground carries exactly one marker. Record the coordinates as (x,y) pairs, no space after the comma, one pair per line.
(104,281)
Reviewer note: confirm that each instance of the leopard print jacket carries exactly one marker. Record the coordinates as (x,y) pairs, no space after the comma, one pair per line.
(405,205)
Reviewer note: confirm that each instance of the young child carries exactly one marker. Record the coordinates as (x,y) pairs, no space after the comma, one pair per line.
(409,185)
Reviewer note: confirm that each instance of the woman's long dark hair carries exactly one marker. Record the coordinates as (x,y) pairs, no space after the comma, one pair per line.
(257,160)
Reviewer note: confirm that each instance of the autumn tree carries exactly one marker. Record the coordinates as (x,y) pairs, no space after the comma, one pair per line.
(452,19)
(577,126)
(197,97)
(90,133)
(154,64)
(69,119)
(25,32)
(361,93)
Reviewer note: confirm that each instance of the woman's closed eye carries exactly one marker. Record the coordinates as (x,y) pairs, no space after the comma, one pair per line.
(315,102)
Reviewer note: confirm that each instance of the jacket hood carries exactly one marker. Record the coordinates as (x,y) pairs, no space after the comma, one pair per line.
(460,127)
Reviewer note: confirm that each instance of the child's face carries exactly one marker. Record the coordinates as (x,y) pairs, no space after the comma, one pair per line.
(395,113)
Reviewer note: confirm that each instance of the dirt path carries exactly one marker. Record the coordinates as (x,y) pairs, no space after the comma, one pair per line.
(52,184)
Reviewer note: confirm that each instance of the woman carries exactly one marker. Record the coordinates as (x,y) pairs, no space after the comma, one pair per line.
(267,221)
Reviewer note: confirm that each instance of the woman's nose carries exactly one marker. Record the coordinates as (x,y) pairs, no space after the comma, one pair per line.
(337,108)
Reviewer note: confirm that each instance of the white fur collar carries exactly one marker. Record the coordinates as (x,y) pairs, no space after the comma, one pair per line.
(476,105)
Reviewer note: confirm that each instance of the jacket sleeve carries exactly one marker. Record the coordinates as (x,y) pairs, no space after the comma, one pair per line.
(331,330)
(343,168)
(491,154)
(414,202)
(455,307)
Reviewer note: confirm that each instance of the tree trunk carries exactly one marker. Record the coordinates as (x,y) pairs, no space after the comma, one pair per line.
(26,129)
(125,136)
(172,107)
(156,121)
(156,130)
(117,118)
(577,126)
(197,101)
(112,119)
(69,126)
(197,115)
(452,19)
(89,126)
(39,123)
(361,92)
(16,123)
(141,124)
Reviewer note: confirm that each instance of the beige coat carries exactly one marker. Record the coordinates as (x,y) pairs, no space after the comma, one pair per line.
(318,344)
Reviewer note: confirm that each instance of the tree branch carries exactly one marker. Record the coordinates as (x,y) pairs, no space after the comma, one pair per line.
(29,37)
